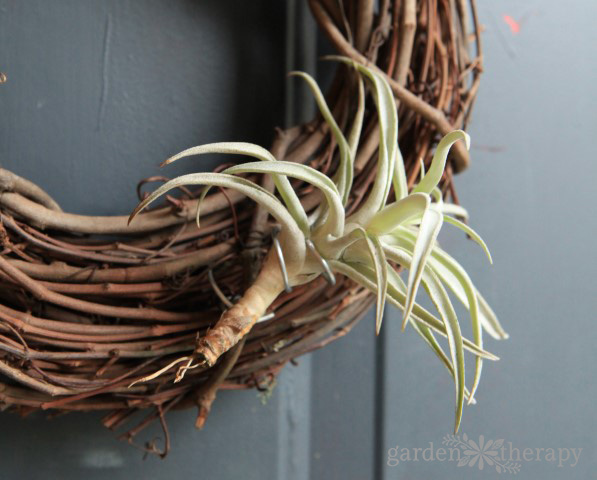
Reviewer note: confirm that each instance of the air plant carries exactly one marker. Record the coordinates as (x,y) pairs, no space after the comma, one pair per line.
(367,246)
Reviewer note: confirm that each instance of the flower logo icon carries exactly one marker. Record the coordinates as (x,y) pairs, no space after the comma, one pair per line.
(481,453)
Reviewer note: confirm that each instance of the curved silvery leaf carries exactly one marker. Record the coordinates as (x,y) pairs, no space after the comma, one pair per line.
(455,277)
(334,223)
(444,305)
(404,238)
(388,140)
(465,282)
(391,216)
(438,164)
(487,317)
(454,210)
(399,175)
(345,170)
(428,230)
(320,213)
(365,277)
(488,320)
(293,234)
(357,124)
(471,233)
(403,257)
(440,298)
(437,195)
(427,335)
(378,259)
(493,326)
(251,150)
(423,318)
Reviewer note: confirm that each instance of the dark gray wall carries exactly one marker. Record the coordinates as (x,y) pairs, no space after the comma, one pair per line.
(100,92)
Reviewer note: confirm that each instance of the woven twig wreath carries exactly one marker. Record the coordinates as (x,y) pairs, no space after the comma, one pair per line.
(81,317)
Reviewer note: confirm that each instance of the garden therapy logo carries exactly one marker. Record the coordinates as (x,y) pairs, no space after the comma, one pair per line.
(502,456)
(481,453)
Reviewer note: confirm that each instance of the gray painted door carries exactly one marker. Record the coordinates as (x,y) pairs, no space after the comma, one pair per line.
(99,92)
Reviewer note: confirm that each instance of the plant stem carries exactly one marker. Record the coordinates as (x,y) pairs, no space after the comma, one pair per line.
(235,323)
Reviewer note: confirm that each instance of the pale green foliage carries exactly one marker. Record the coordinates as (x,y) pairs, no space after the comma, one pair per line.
(368,245)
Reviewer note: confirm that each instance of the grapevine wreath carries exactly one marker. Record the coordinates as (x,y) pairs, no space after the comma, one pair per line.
(201,293)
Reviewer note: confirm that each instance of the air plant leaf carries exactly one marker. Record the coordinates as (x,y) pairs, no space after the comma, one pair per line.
(388,141)
(492,325)
(450,272)
(378,259)
(405,239)
(399,175)
(365,276)
(357,124)
(464,281)
(334,223)
(251,150)
(444,306)
(438,163)
(427,335)
(388,120)
(346,169)
(471,233)
(452,282)
(430,226)
(437,195)
(454,210)
(248,188)
(440,298)
(391,216)
(382,274)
